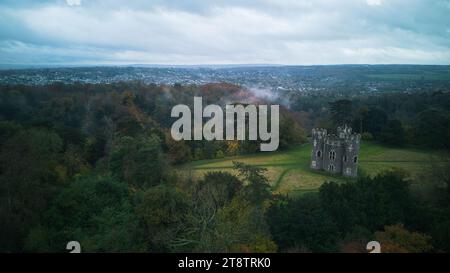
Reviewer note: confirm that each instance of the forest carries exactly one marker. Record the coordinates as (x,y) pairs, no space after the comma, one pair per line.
(96,163)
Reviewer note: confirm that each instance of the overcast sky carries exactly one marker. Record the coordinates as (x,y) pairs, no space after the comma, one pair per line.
(225,32)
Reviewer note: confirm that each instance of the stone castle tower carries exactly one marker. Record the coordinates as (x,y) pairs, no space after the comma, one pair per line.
(337,154)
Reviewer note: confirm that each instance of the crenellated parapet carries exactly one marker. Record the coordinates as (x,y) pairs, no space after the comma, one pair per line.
(319,133)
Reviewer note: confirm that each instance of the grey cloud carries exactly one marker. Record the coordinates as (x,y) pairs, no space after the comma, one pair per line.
(190,32)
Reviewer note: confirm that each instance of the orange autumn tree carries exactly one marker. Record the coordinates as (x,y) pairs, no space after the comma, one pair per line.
(397,239)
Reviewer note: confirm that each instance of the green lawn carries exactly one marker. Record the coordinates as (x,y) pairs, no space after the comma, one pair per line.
(289,171)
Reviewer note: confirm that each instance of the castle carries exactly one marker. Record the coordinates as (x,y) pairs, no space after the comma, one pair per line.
(337,154)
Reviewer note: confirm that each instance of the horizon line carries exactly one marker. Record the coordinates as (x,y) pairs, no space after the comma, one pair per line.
(211,65)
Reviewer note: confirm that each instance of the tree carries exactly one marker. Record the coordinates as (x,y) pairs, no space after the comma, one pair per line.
(368,202)
(257,188)
(290,133)
(440,231)
(432,129)
(341,112)
(374,121)
(361,116)
(217,189)
(162,213)
(232,147)
(393,133)
(397,239)
(178,151)
(138,161)
(224,218)
(241,227)
(302,224)
(238,226)
(29,178)
(356,240)
(94,210)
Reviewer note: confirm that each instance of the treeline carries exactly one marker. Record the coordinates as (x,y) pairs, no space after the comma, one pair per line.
(220,213)
(421,119)
(82,157)
(345,217)
(93,115)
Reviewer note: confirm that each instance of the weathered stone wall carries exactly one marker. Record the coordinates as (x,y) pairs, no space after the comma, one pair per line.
(318,138)
(350,159)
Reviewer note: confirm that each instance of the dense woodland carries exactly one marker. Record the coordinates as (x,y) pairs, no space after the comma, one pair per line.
(96,163)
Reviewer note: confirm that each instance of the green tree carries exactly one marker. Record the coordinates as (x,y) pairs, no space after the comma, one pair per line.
(302,223)
(374,121)
(368,202)
(29,178)
(341,112)
(358,123)
(162,213)
(138,161)
(238,226)
(94,210)
(217,189)
(241,227)
(393,133)
(432,129)
(257,188)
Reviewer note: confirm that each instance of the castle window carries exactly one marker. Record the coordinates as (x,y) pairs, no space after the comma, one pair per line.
(345,158)
(331,167)
(332,155)
(355,159)
(319,154)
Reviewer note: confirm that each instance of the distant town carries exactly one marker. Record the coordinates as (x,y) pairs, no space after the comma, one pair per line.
(339,79)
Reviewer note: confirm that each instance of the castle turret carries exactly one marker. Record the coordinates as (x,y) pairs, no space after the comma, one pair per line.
(318,139)
(350,158)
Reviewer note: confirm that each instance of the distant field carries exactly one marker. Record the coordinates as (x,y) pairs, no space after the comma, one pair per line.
(289,171)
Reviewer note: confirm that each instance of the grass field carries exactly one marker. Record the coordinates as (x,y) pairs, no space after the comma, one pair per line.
(289,171)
